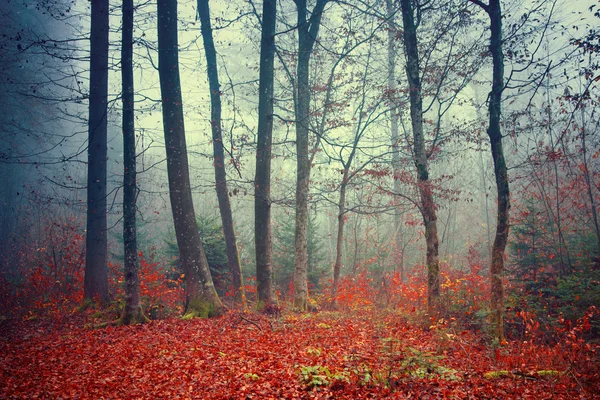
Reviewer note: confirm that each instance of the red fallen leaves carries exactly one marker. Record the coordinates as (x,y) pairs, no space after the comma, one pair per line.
(379,356)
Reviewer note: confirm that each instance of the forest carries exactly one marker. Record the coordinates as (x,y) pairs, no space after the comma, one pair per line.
(288,199)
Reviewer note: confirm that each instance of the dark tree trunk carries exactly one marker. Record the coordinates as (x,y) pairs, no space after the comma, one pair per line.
(262,194)
(132,312)
(233,257)
(428,209)
(588,182)
(308,29)
(201,298)
(96,267)
(495,134)
(500,170)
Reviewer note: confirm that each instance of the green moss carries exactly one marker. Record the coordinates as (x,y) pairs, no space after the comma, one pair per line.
(548,373)
(138,318)
(199,308)
(496,374)
(87,302)
(300,304)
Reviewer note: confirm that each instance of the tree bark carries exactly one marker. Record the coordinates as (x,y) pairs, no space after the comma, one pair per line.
(308,30)
(500,170)
(262,194)
(233,258)
(96,267)
(201,298)
(428,208)
(495,134)
(341,217)
(395,137)
(588,183)
(132,312)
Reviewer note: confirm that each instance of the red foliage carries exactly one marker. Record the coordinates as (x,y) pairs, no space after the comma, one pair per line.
(48,280)
(328,355)
(161,295)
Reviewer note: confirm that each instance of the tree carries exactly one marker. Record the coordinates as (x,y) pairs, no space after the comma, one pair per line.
(395,137)
(283,243)
(132,312)
(494,132)
(427,206)
(96,263)
(308,29)
(262,183)
(367,112)
(219,154)
(201,297)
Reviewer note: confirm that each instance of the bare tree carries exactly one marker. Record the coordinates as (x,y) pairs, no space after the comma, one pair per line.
(233,257)
(132,312)
(201,297)
(494,12)
(395,137)
(427,206)
(308,29)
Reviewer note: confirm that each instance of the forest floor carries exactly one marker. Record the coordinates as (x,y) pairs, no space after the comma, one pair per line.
(368,354)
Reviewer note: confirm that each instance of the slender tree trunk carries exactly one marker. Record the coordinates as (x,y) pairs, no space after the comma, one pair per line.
(132,312)
(201,298)
(233,257)
(428,208)
(398,228)
(500,170)
(588,183)
(96,262)
(308,30)
(356,243)
(262,194)
(337,267)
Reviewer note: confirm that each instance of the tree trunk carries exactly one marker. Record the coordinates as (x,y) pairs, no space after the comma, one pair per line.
(588,184)
(132,312)
(337,267)
(398,228)
(201,298)
(428,208)
(500,170)
(262,194)
(233,258)
(96,267)
(307,34)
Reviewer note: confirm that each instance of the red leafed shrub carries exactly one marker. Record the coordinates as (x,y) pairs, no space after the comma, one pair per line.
(48,279)
(464,293)
(161,295)
(355,292)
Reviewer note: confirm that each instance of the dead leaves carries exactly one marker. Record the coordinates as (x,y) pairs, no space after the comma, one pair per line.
(340,356)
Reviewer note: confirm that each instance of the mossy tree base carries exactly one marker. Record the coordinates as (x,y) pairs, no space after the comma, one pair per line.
(201,309)
(301,304)
(134,318)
